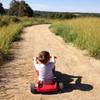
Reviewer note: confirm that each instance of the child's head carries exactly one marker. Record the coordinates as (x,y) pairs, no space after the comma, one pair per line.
(44,57)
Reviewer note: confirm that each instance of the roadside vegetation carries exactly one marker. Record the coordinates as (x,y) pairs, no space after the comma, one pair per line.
(10,29)
(82,32)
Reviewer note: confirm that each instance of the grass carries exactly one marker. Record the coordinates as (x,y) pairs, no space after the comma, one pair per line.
(82,32)
(7,35)
(10,29)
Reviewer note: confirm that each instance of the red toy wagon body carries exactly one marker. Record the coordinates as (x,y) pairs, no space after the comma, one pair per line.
(46,88)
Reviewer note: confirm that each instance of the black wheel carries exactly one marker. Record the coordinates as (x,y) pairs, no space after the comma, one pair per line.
(33,88)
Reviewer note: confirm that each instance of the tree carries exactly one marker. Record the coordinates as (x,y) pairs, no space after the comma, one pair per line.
(25,9)
(20,8)
(2,11)
(14,7)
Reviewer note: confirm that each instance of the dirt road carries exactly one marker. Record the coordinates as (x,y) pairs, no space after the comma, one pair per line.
(17,74)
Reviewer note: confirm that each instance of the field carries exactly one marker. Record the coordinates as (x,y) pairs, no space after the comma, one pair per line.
(76,71)
(82,32)
(10,29)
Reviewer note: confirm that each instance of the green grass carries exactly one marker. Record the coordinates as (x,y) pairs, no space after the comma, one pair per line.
(10,29)
(82,32)
(7,35)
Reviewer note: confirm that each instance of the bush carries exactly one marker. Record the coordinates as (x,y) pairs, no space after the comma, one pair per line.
(6,20)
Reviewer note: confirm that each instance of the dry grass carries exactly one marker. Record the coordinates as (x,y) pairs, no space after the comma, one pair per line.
(10,29)
(83,32)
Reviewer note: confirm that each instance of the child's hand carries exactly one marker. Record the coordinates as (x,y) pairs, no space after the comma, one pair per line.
(54,57)
(34,58)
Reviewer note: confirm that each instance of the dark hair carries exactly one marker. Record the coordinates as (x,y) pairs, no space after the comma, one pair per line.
(44,57)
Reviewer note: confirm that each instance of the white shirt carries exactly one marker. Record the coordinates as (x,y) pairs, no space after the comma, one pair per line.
(45,71)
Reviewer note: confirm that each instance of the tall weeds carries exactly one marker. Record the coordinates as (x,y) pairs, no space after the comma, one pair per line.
(10,29)
(83,32)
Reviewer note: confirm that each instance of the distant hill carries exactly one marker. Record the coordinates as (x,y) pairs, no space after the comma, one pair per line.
(48,14)
(86,14)
(64,14)
(61,15)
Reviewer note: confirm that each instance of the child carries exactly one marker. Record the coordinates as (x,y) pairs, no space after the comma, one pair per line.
(45,67)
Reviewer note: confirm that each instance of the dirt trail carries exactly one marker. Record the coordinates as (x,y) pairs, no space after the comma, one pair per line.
(19,73)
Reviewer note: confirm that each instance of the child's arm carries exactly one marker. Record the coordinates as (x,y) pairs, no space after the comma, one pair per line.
(35,60)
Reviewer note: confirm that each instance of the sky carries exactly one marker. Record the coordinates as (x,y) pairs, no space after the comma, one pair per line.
(91,6)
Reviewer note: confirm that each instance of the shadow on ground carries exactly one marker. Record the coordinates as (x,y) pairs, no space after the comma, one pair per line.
(71,82)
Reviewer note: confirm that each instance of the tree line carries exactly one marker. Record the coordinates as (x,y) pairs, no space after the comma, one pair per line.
(21,8)
(17,8)
(58,15)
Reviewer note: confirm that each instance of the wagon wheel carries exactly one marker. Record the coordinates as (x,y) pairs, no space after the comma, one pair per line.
(33,88)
